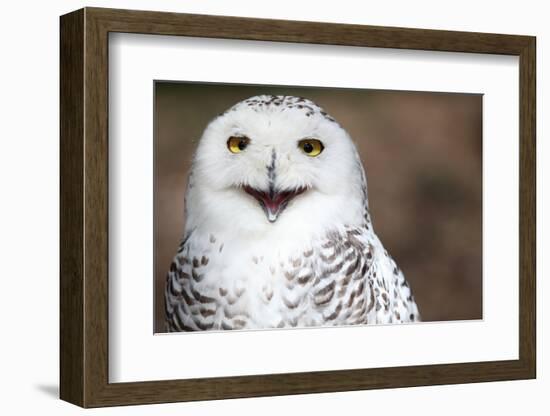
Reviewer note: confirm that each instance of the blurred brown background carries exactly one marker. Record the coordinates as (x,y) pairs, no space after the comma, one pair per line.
(422,155)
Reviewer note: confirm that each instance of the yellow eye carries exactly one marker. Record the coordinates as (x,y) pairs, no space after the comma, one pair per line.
(311,147)
(236,144)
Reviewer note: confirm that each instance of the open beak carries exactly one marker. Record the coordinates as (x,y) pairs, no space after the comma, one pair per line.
(273,202)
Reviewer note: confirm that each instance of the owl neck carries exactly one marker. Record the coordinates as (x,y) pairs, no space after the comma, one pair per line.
(237,215)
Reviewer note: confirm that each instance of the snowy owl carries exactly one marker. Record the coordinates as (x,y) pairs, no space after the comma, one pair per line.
(278,232)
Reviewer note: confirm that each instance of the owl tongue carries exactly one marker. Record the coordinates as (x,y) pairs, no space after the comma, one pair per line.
(273,202)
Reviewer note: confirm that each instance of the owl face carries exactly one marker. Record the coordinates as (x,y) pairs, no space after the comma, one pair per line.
(271,160)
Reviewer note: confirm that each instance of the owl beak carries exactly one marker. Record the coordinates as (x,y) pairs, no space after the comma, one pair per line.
(273,202)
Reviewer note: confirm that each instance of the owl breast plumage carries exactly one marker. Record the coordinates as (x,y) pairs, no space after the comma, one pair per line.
(296,250)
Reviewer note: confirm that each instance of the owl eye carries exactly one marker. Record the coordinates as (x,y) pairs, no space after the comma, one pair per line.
(311,147)
(236,144)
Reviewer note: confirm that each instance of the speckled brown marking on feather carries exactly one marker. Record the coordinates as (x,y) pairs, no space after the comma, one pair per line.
(346,280)
(196,276)
(329,287)
(202,298)
(350,300)
(329,243)
(203,326)
(353,266)
(207,312)
(371,300)
(183,276)
(360,288)
(228,313)
(222,291)
(345,316)
(334,314)
(296,262)
(182,260)
(329,271)
(268,294)
(183,307)
(361,303)
(180,326)
(239,291)
(304,279)
(187,298)
(231,300)
(174,287)
(361,320)
(289,304)
(238,323)
(324,295)
(360,312)
(363,270)
(328,259)
(350,255)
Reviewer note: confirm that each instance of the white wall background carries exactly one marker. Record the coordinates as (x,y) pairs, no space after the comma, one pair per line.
(29,160)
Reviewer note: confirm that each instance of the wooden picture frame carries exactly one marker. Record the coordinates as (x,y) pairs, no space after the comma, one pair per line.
(84,207)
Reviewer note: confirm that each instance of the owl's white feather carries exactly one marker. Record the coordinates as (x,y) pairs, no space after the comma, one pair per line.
(316,262)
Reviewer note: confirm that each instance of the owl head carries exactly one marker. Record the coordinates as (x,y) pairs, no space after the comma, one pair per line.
(275,163)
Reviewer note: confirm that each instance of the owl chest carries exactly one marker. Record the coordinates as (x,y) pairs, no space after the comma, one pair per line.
(243,289)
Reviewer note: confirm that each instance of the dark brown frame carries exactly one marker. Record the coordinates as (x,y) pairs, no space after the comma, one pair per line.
(84,207)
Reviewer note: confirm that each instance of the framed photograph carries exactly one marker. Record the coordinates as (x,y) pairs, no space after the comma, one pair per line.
(256,207)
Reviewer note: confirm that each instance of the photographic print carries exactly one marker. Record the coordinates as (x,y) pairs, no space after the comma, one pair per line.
(292,207)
